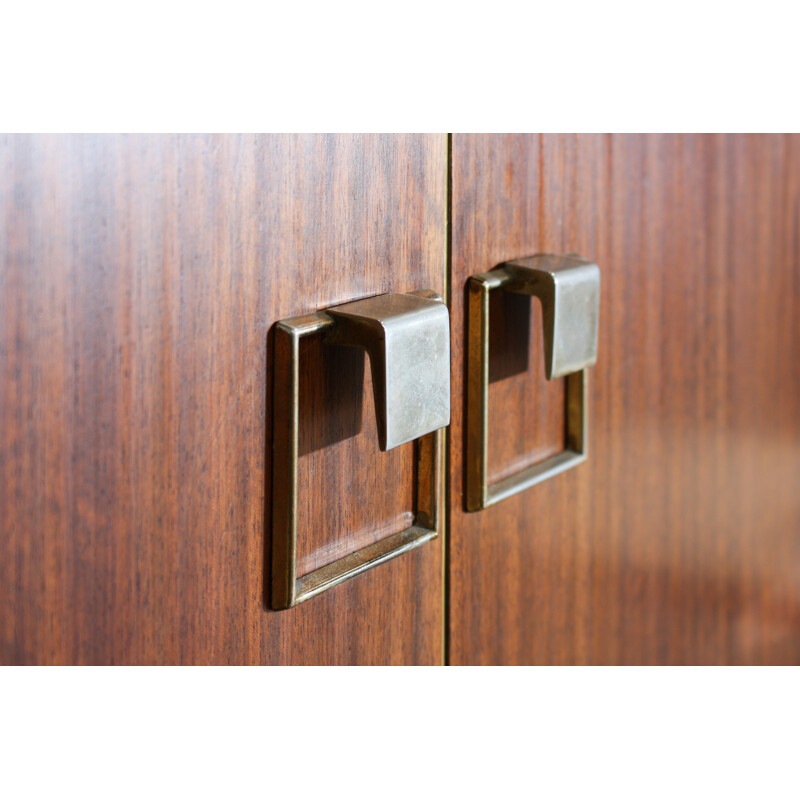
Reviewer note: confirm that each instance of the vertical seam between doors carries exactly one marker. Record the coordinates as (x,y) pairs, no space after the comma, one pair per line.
(446,499)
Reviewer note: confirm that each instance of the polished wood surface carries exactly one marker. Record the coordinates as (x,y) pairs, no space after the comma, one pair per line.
(141,276)
(678,542)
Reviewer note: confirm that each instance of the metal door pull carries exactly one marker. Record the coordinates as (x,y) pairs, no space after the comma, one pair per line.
(407,337)
(568,287)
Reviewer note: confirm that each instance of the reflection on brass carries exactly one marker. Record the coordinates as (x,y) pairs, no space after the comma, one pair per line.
(569,290)
(407,337)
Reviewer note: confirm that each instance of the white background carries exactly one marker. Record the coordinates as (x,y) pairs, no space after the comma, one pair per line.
(399,732)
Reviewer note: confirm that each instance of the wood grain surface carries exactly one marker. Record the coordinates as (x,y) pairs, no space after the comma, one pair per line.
(140,278)
(678,542)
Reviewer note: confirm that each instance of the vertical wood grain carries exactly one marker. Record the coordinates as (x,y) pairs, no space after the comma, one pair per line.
(140,278)
(678,542)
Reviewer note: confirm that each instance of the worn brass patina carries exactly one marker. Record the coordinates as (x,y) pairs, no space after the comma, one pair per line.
(569,290)
(407,337)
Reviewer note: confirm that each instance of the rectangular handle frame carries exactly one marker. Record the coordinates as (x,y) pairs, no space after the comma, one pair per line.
(480,493)
(288,589)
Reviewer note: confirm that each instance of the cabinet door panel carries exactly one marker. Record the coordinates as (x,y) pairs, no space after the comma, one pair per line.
(140,279)
(678,541)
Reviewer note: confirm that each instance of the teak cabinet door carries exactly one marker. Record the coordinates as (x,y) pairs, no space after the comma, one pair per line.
(141,278)
(678,541)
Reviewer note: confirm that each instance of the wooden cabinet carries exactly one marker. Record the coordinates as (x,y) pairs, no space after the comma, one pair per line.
(678,541)
(141,280)
(142,277)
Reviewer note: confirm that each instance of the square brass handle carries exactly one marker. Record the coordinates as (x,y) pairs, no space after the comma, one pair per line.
(569,290)
(407,337)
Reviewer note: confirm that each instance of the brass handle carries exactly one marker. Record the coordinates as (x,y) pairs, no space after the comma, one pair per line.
(569,289)
(407,337)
